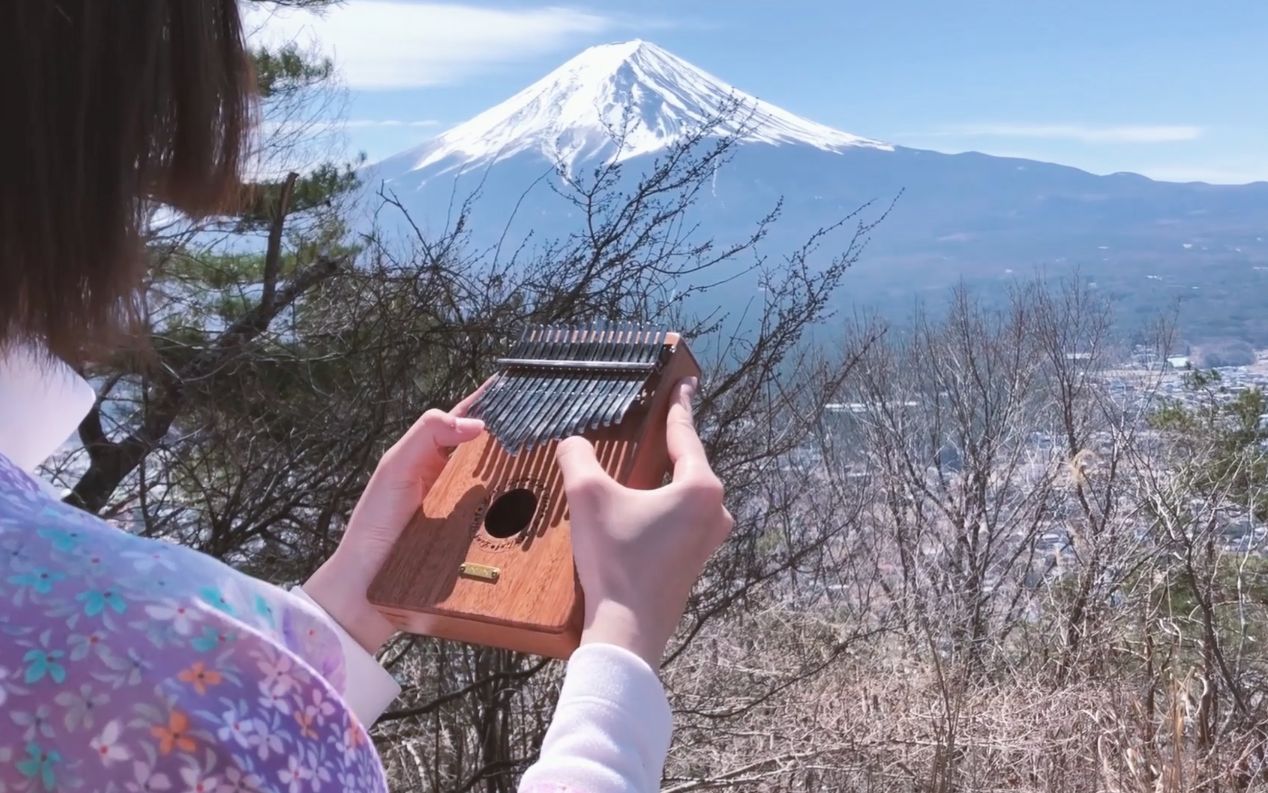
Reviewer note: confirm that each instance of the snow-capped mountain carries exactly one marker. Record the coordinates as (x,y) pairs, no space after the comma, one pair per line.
(651,96)
(964,216)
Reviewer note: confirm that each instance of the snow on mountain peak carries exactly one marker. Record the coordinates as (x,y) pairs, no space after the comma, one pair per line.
(651,93)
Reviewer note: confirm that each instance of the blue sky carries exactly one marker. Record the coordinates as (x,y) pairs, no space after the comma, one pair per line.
(1173,90)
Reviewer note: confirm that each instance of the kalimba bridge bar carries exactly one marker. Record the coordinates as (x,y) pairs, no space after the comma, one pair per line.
(488,557)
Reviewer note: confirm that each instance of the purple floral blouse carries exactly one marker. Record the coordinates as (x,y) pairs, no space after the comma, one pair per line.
(129,664)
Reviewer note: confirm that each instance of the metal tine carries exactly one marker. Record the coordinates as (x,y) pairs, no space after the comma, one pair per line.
(520,407)
(621,404)
(618,350)
(583,422)
(576,416)
(518,380)
(572,386)
(649,352)
(635,383)
(491,406)
(546,392)
(653,349)
(621,401)
(594,387)
(495,418)
(644,338)
(482,407)
(596,344)
(631,352)
(613,384)
(545,399)
(599,344)
(630,388)
(580,418)
(505,386)
(518,412)
(651,355)
(607,352)
(531,334)
(562,388)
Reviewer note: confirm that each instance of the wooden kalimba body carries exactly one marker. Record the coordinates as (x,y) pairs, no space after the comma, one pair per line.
(488,557)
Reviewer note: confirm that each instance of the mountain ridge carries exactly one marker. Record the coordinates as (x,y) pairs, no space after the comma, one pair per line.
(650,95)
(967,217)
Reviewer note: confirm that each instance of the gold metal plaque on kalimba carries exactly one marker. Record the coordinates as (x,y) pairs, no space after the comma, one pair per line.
(488,557)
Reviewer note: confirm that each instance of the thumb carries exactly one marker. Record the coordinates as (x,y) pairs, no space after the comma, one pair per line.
(424,448)
(583,476)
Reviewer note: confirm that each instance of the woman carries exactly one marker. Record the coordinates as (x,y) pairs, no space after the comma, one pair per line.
(133,665)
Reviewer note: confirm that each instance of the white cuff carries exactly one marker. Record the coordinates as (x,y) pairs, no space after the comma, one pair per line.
(611,728)
(368,687)
(44,401)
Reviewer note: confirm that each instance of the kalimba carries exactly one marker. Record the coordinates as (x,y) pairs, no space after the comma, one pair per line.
(488,557)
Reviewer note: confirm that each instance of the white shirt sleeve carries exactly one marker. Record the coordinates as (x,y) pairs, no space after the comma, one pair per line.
(44,401)
(369,688)
(611,728)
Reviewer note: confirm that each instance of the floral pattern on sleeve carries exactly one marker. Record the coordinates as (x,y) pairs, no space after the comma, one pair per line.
(131,665)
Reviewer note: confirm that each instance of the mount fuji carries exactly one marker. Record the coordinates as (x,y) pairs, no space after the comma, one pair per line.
(961,217)
(653,96)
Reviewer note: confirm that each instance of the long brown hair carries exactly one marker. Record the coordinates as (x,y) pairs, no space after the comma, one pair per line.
(107,106)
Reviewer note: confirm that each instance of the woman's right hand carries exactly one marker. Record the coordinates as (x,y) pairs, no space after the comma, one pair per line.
(639,552)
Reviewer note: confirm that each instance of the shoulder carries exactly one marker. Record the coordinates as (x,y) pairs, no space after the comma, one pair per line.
(148,666)
(84,570)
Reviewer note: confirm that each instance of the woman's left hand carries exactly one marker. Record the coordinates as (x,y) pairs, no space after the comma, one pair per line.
(395,491)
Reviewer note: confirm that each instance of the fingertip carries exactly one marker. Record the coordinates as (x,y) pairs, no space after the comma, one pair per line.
(447,430)
(682,440)
(576,455)
(572,446)
(681,411)
(462,407)
(576,458)
(469,426)
(687,388)
(583,477)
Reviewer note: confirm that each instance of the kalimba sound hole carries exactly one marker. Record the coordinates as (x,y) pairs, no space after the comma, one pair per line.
(510,513)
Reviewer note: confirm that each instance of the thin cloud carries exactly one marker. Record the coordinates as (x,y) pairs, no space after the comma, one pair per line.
(378,44)
(1252,172)
(320,126)
(1083,133)
(363,123)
